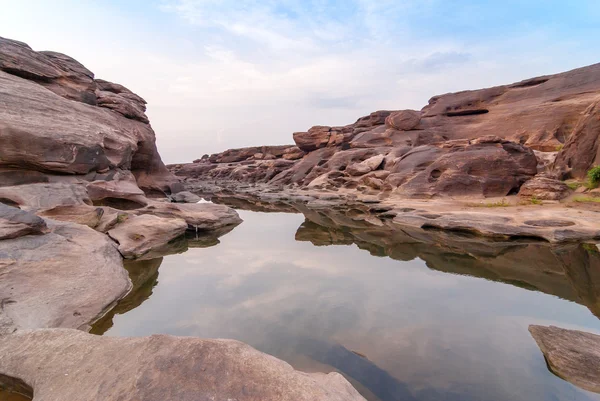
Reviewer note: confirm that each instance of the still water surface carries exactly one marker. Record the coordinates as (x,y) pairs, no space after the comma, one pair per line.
(424,324)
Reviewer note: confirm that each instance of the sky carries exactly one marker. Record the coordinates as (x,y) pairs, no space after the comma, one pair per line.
(220,74)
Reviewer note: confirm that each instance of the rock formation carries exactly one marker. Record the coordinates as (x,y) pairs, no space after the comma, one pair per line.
(57,120)
(480,143)
(71,365)
(570,354)
(82,187)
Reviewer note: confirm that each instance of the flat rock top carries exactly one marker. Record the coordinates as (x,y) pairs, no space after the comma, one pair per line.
(65,364)
(572,355)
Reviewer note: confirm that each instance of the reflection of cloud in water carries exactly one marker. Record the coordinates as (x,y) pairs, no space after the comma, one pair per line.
(425,334)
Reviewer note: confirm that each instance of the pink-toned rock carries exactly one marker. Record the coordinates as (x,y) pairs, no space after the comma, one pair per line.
(403,120)
(316,137)
(544,188)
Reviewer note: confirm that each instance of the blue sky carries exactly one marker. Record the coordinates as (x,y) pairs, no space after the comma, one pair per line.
(222,74)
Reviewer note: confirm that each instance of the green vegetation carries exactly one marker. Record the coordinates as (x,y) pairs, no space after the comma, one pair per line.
(594,176)
(584,199)
(591,248)
(574,185)
(535,201)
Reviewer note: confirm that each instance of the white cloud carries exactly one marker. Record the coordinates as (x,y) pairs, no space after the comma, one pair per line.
(223,74)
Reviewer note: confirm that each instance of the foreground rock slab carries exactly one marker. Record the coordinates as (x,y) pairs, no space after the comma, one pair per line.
(140,235)
(71,365)
(66,278)
(572,355)
(198,216)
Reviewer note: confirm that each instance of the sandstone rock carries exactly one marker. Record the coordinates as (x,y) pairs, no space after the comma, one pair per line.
(138,236)
(545,160)
(36,196)
(185,197)
(470,143)
(293,153)
(198,216)
(57,72)
(403,120)
(51,121)
(158,368)
(16,223)
(238,155)
(66,278)
(366,166)
(488,168)
(581,151)
(316,137)
(571,355)
(544,188)
(121,192)
(81,214)
(120,99)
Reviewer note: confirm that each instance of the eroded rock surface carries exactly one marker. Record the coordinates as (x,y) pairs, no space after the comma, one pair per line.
(572,355)
(65,278)
(198,216)
(480,143)
(140,235)
(16,223)
(71,365)
(57,118)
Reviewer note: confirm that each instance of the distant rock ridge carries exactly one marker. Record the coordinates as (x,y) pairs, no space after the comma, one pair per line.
(481,143)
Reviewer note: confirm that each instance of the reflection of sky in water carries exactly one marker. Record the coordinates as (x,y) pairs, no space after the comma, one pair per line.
(398,330)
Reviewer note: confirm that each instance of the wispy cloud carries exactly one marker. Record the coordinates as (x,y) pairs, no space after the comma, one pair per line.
(253,71)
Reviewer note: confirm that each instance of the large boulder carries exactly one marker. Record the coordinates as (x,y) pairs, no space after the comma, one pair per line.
(198,216)
(485,167)
(403,120)
(52,120)
(544,188)
(139,236)
(72,365)
(66,278)
(315,138)
(570,354)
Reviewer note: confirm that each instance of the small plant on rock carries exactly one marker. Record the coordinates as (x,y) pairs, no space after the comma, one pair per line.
(535,201)
(594,176)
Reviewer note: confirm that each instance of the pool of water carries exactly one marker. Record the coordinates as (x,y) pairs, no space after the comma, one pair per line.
(403,315)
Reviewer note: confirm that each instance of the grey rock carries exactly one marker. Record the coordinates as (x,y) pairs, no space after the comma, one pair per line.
(71,365)
(570,354)
(185,197)
(46,195)
(138,236)
(16,223)
(66,278)
(198,216)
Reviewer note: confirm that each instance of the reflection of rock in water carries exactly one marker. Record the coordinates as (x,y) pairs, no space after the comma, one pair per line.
(571,272)
(144,273)
(144,277)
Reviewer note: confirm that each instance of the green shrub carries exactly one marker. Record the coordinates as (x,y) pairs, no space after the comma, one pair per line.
(535,201)
(594,175)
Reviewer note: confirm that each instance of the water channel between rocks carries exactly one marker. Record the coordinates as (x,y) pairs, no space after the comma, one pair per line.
(404,316)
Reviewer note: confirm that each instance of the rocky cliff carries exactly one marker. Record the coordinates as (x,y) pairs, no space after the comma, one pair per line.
(60,124)
(480,143)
